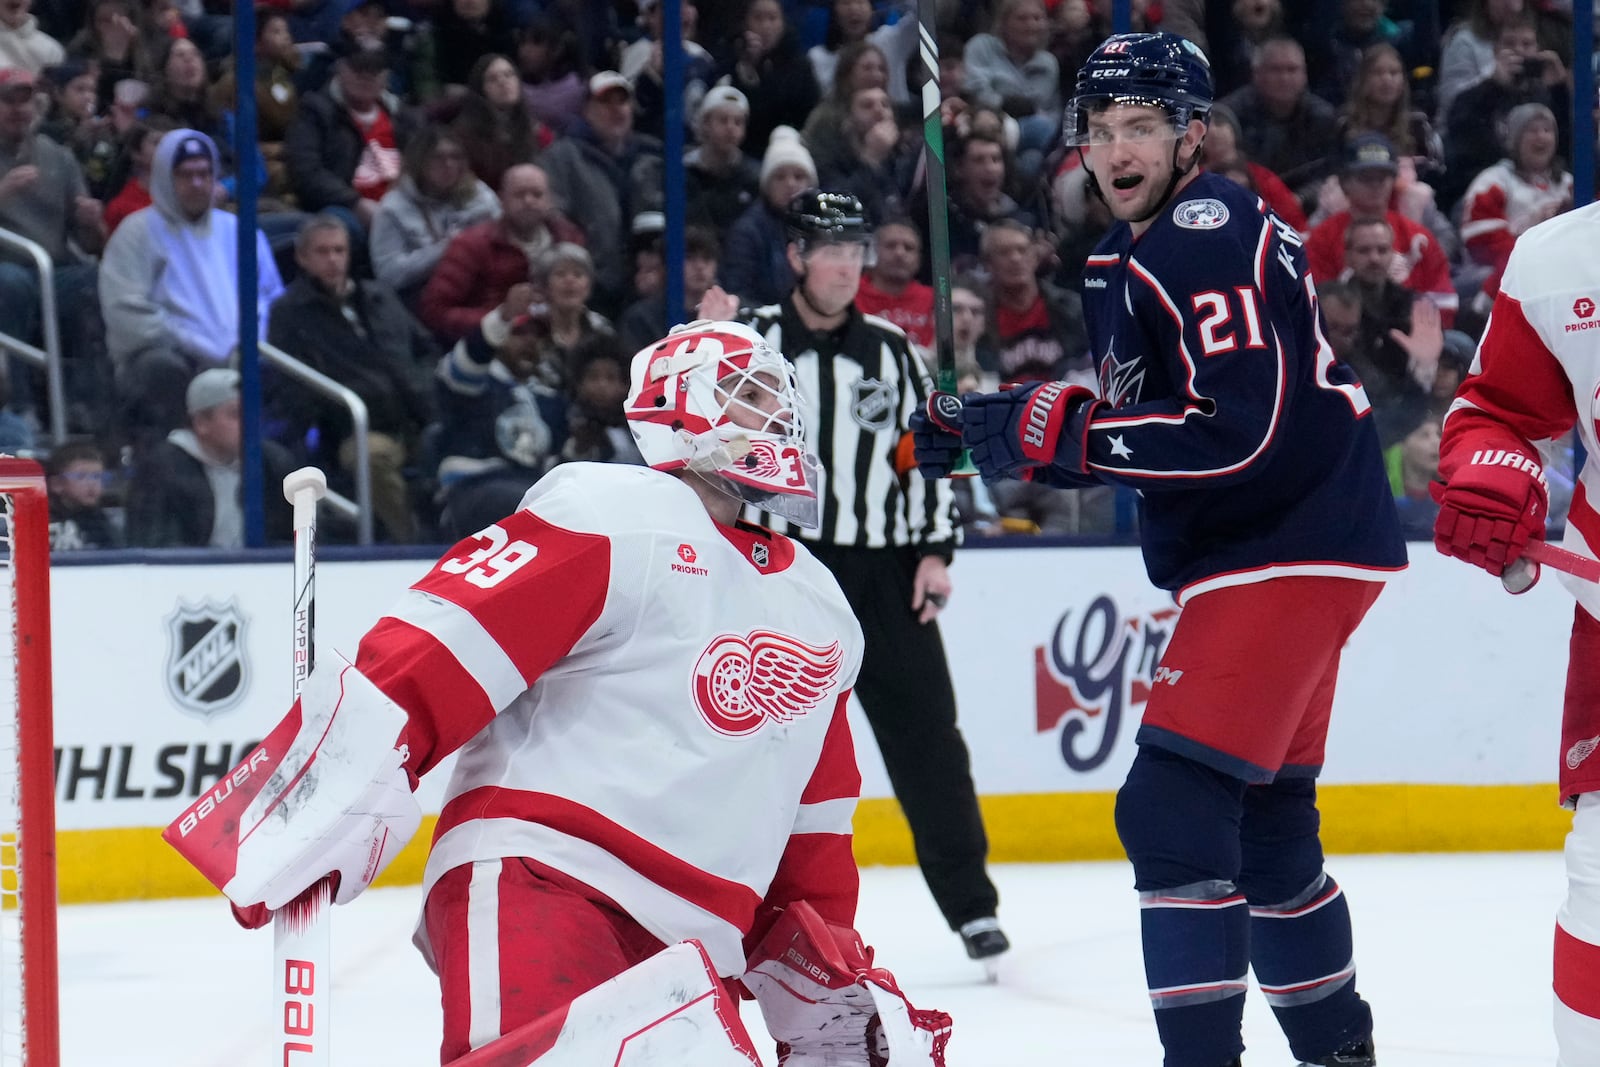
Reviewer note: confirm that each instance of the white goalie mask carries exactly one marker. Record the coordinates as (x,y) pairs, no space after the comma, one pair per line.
(716,399)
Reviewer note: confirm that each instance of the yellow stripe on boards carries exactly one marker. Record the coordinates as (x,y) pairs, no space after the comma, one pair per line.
(133,864)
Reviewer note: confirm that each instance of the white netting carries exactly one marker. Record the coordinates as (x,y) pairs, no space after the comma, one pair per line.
(11,845)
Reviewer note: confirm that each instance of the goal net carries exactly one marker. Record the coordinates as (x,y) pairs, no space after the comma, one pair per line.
(29,1031)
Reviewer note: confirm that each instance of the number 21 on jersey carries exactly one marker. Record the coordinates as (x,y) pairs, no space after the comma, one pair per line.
(1216,311)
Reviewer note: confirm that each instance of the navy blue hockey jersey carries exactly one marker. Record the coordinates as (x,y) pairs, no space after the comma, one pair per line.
(1250,444)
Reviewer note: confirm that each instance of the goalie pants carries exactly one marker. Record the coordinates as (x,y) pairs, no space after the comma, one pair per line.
(904,688)
(514,940)
(1577,948)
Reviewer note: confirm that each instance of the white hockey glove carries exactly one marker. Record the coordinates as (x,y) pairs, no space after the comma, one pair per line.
(826,1004)
(326,793)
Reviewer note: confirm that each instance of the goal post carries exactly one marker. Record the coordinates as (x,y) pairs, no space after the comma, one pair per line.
(29,990)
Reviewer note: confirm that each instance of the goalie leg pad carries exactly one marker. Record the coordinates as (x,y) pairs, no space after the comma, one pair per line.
(667,1011)
(513,941)
(828,1006)
(326,792)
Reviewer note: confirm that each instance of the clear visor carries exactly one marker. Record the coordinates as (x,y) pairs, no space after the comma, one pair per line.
(1099,122)
(862,252)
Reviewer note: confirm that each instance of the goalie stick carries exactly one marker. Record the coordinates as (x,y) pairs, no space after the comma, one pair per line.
(1520,576)
(301,956)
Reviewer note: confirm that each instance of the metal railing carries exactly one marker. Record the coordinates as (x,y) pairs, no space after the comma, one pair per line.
(48,357)
(359,509)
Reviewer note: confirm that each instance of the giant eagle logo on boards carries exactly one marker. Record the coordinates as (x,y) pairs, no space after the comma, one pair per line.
(207,670)
(1099,666)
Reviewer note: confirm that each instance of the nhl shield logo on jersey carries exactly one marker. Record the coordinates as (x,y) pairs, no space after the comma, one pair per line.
(207,670)
(1205,214)
(740,683)
(873,404)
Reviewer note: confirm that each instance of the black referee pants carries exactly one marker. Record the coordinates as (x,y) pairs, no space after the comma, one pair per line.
(904,687)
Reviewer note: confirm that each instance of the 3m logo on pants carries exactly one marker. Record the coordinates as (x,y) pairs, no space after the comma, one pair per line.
(1167,675)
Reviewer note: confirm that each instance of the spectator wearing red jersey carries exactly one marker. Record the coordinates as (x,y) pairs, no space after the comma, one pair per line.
(1367,179)
(889,288)
(343,148)
(1514,195)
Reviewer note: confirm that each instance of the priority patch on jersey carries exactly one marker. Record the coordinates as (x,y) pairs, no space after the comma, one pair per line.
(1200,214)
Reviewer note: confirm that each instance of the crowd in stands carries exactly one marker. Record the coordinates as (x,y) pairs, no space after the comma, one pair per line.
(461,215)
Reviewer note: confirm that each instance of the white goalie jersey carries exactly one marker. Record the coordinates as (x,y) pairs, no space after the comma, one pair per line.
(644,700)
(1536,374)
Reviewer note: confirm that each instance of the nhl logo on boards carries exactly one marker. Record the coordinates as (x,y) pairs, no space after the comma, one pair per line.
(207,670)
(873,404)
(1205,214)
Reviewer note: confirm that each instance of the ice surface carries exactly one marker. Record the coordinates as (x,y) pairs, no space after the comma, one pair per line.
(1453,950)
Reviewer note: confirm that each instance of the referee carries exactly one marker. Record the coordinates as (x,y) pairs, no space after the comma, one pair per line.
(887,537)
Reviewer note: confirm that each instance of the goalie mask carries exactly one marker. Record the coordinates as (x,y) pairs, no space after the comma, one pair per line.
(714,398)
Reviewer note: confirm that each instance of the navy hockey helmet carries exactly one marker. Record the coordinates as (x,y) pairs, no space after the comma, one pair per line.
(1154,69)
(815,217)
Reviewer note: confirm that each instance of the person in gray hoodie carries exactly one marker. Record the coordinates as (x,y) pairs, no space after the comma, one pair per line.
(186,488)
(169,285)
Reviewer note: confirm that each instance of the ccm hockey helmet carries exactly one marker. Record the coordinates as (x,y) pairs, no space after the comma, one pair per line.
(715,399)
(1154,69)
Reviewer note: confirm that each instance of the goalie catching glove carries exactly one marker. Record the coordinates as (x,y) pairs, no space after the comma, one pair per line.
(327,793)
(826,1004)
(1492,507)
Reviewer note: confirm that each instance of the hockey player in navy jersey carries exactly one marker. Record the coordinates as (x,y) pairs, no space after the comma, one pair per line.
(1263,507)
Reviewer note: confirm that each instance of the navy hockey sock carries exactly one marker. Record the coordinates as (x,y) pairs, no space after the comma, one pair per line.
(1196,955)
(1304,961)
(1179,822)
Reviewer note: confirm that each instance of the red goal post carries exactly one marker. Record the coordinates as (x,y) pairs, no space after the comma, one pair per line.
(29,990)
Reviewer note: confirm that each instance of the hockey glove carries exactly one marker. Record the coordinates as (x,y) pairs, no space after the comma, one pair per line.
(1490,510)
(826,1004)
(937,433)
(1013,430)
(326,793)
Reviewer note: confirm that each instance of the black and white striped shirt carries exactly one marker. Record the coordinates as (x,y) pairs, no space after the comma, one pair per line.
(860,384)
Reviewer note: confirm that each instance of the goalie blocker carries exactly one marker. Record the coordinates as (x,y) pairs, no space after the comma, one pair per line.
(327,792)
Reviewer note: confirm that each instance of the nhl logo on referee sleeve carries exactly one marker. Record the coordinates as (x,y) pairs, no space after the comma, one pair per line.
(873,404)
(1200,214)
(207,669)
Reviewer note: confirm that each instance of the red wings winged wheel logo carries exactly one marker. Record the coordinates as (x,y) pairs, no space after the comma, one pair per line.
(742,682)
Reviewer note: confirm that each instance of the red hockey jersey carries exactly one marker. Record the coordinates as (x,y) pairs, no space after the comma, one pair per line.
(644,700)
(1537,371)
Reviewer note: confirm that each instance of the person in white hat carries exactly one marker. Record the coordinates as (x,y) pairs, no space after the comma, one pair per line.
(755,265)
(720,180)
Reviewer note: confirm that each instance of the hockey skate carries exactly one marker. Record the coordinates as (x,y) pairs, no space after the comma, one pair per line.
(1360,1054)
(985,942)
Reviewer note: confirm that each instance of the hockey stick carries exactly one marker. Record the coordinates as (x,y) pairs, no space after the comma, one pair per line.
(938,211)
(301,957)
(1520,576)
